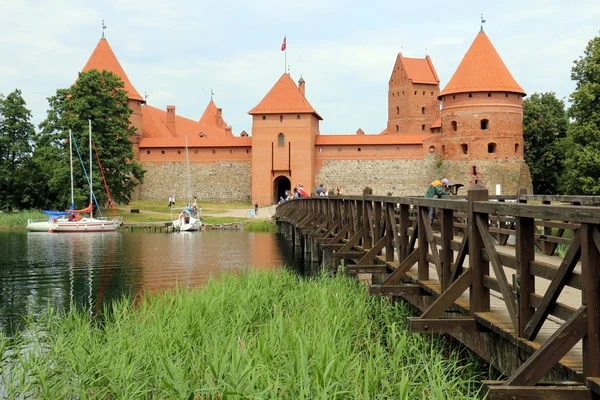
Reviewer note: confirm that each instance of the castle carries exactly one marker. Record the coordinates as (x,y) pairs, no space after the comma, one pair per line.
(471,131)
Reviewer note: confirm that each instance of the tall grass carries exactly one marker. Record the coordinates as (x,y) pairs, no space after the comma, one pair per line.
(260,226)
(19,219)
(260,335)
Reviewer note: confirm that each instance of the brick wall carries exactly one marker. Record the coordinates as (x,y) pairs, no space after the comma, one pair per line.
(511,174)
(219,181)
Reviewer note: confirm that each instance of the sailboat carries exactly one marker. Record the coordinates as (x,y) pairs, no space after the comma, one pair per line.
(54,216)
(77,221)
(188,220)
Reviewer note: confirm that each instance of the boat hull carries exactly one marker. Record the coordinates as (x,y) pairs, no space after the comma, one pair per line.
(85,226)
(193,225)
(39,226)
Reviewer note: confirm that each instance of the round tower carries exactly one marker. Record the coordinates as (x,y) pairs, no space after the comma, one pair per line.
(482,108)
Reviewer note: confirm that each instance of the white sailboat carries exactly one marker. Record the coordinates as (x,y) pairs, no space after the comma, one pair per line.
(188,220)
(77,221)
(54,216)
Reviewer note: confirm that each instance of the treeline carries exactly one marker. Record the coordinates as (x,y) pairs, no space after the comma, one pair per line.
(562,146)
(35,165)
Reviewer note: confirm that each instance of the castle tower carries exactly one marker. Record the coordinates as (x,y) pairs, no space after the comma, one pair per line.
(413,104)
(284,127)
(482,112)
(103,58)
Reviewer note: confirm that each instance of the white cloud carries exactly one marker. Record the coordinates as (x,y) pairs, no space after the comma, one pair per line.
(178,51)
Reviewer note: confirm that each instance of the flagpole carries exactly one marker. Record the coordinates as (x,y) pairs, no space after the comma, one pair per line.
(285,58)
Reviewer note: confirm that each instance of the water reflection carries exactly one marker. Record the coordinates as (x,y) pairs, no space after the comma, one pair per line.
(77,270)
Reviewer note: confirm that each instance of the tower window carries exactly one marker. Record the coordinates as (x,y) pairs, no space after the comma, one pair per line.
(470,94)
(505,94)
(163,152)
(432,93)
(231,151)
(281,140)
(423,127)
(195,152)
(423,93)
(453,97)
(148,152)
(484,124)
(280,118)
(247,151)
(392,94)
(474,170)
(415,92)
(422,110)
(397,128)
(491,148)
(443,149)
(179,152)
(454,126)
(214,151)
(359,149)
(397,110)
(516,148)
(264,117)
(465,148)
(298,116)
(489,95)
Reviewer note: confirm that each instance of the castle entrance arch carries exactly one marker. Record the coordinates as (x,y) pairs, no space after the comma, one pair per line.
(281,184)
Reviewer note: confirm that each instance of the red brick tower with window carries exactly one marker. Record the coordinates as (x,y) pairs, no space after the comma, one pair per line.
(284,127)
(413,104)
(482,108)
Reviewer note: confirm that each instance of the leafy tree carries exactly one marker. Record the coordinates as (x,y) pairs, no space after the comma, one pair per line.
(544,126)
(16,139)
(582,143)
(99,97)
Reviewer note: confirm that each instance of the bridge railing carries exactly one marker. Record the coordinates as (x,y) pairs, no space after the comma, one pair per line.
(389,235)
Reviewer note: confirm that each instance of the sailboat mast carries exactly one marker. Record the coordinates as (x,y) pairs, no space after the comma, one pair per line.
(91,190)
(187,160)
(71,158)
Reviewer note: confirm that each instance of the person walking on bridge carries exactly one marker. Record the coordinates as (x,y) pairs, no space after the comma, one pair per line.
(436,190)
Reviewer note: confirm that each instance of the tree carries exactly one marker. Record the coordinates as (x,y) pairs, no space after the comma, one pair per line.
(99,97)
(544,126)
(582,144)
(16,140)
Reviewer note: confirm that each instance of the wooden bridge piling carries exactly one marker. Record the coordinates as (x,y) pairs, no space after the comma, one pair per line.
(533,315)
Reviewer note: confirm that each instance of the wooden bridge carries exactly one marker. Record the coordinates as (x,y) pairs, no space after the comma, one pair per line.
(534,315)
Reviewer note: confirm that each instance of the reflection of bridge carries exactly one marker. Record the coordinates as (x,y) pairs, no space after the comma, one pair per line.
(534,315)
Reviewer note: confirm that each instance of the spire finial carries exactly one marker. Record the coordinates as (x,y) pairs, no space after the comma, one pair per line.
(103,29)
(211,94)
(482,22)
(426,52)
(146,97)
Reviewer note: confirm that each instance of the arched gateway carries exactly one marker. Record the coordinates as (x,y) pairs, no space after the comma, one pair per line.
(280,185)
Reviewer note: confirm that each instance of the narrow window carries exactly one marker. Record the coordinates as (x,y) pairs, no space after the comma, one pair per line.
(359,149)
(392,94)
(422,110)
(281,140)
(484,124)
(298,116)
(454,126)
(474,170)
(163,152)
(470,95)
(489,95)
(432,93)
(264,117)
(231,151)
(195,152)
(415,92)
(397,128)
(397,148)
(453,97)
(148,152)
(280,118)
(465,148)
(443,149)
(505,94)
(491,148)
(247,151)
(423,127)
(397,110)
(423,93)
(214,151)
(179,151)
(516,148)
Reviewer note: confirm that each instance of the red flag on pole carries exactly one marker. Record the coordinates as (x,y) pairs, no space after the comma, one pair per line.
(283,44)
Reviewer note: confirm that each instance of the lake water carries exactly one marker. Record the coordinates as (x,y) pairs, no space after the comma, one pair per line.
(38,269)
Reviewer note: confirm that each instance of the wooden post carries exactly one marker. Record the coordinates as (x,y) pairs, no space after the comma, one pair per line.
(403,233)
(590,258)
(423,267)
(366,222)
(447,253)
(389,231)
(525,254)
(479,294)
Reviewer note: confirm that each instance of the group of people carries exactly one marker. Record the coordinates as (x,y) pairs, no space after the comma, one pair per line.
(298,191)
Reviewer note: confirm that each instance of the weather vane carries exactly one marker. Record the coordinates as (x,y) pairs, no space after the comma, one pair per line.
(482,22)
(211,94)
(103,28)
(146,97)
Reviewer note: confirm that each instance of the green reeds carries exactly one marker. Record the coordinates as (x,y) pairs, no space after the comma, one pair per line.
(259,335)
(260,226)
(19,219)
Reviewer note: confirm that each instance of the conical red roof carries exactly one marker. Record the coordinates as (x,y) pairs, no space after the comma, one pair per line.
(103,58)
(211,116)
(284,98)
(482,70)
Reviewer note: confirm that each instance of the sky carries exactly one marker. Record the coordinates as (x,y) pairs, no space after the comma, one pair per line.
(177,51)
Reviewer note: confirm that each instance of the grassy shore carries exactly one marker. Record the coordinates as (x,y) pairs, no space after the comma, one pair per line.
(19,219)
(258,335)
(260,226)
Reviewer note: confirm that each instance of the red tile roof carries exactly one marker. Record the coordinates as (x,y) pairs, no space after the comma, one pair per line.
(284,98)
(103,58)
(420,70)
(154,121)
(336,140)
(211,116)
(481,70)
